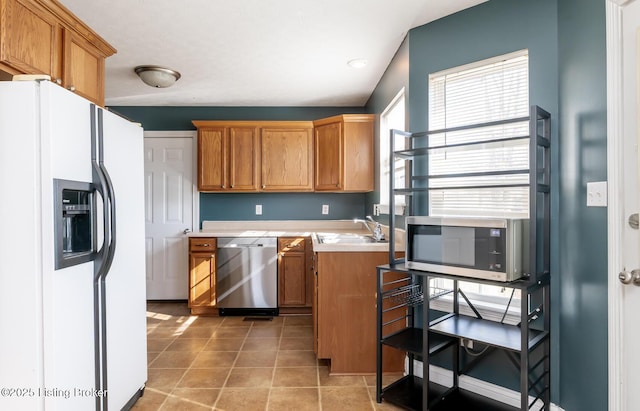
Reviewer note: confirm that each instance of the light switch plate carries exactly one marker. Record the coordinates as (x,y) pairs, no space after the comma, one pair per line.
(325,209)
(597,194)
(258,209)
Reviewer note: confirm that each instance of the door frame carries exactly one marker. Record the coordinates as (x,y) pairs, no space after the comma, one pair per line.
(615,207)
(193,135)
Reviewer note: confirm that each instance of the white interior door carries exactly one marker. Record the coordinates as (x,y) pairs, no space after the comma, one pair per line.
(624,239)
(169,212)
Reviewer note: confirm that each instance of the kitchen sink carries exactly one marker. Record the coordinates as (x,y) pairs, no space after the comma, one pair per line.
(347,239)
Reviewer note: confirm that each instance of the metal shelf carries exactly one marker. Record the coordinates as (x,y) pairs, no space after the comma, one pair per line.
(410,340)
(532,333)
(407,393)
(520,284)
(491,333)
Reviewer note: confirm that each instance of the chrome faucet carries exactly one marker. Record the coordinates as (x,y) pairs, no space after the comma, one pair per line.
(376,233)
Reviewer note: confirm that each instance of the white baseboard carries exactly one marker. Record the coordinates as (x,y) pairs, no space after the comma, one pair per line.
(444,377)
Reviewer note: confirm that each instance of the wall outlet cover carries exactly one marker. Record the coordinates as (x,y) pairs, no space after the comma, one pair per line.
(258,209)
(597,194)
(325,209)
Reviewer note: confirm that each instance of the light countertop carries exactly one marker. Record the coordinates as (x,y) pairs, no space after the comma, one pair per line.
(297,228)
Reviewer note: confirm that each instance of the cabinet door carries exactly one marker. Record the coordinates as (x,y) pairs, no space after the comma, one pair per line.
(287,159)
(29,40)
(292,290)
(83,69)
(212,159)
(244,158)
(328,157)
(202,291)
(359,159)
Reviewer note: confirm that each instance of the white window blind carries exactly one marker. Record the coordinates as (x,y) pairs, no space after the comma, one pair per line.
(487,91)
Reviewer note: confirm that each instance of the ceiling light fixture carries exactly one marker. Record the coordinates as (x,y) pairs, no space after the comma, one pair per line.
(357,63)
(156,76)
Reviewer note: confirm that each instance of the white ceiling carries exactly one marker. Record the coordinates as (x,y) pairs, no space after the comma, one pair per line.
(254,52)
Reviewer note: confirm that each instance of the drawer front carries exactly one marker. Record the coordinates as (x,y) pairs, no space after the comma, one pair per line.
(202,244)
(291,244)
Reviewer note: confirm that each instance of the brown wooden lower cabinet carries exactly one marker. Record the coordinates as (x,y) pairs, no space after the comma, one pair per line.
(345,313)
(202,275)
(295,275)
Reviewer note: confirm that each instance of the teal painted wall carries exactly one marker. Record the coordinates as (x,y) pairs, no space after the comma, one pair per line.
(582,241)
(241,206)
(281,206)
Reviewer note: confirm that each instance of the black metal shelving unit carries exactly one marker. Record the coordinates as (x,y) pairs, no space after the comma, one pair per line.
(401,291)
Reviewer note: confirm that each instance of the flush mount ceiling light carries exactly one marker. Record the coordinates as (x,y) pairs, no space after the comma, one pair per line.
(157,76)
(357,63)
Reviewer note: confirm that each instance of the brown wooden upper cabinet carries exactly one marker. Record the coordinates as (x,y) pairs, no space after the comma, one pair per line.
(344,158)
(43,37)
(287,157)
(228,157)
(255,155)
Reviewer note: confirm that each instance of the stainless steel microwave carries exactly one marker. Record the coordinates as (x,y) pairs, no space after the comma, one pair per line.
(485,248)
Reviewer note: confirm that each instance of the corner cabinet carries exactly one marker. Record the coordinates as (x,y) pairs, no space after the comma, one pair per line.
(526,343)
(202,274)
(344,158)
(253,156)
(43,37)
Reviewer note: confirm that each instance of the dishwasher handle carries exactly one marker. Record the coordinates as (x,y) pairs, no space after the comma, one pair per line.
(247,242)
(244,246)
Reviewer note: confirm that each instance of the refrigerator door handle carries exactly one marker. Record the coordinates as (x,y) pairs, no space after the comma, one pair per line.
(103,184)
(110,196)
(99,263)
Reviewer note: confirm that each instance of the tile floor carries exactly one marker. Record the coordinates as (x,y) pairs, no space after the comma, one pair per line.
(225,363)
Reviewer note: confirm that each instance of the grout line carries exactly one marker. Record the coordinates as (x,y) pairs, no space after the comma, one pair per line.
(224,385)
(273,373)
(154,360)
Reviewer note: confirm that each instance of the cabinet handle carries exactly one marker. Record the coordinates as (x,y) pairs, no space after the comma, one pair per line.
(231,185)
(264,186)
(291,245)
(223,186)
(58,81)
(72,88)
(202,245)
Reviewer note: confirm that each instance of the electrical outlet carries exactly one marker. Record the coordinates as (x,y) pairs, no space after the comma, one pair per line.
(325,209)
(376,209)
(258,209)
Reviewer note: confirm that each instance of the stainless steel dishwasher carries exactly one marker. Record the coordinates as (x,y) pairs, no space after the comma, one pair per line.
(247,275)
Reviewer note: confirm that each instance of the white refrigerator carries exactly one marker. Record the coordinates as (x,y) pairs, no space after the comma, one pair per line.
(72,247)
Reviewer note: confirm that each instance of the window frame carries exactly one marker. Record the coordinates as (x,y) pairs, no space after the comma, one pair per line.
(384,169)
